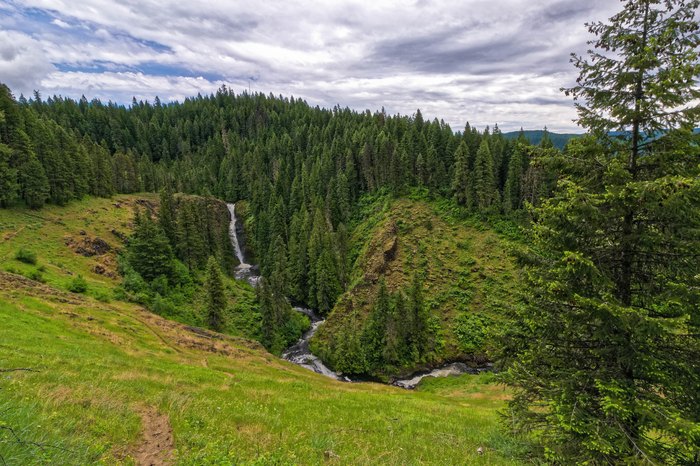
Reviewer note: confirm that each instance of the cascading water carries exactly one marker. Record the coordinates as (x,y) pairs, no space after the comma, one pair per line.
(300,353)
(244,271)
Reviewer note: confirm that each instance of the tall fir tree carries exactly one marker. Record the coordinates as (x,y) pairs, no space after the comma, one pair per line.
(605,366)
(215,295)
(485,192)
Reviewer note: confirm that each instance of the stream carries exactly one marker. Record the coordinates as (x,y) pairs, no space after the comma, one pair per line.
(300,353)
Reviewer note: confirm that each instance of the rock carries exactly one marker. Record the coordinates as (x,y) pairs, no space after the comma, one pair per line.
(330,454)
(119,234)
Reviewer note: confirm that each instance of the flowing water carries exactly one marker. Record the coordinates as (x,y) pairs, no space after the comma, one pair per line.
(300,353)
(243,271)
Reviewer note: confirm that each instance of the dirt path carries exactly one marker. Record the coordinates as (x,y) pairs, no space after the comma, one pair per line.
(157,445)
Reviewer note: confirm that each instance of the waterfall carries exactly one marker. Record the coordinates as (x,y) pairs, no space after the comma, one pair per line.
(234,234)
(244,271)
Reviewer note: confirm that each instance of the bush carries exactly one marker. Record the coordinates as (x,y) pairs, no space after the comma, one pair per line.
(471,331)
(78,285)
(26,256)
(36,275)
(102,296)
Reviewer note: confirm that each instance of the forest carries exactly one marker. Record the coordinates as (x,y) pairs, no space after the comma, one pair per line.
(600,342)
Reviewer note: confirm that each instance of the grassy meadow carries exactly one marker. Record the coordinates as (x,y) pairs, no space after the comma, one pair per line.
(105,375)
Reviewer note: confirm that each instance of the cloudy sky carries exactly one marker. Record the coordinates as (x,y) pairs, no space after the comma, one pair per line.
(486,62)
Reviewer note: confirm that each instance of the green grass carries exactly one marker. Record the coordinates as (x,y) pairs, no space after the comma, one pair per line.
(97,363)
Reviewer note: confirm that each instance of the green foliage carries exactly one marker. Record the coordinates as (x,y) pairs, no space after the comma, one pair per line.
(216,299)
(149,252)
(604,359)
(280,325)
(26,256)
(78,285)
(471,330)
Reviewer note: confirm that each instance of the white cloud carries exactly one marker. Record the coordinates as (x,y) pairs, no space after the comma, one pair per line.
(475,60)
(60,23)
(23,62)
(122,86)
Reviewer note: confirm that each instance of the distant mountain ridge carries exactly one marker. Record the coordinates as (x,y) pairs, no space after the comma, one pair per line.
(558,139)
(535,137)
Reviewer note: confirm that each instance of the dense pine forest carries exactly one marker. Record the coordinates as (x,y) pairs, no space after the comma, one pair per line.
(573,267)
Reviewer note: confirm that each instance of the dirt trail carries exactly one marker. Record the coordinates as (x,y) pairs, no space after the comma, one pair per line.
(157,444)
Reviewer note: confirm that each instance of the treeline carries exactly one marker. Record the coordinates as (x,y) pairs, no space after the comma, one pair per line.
(302,168)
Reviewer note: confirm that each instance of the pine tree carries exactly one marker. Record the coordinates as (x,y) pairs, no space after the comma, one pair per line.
(216,298)
(605,367)
(34,183)
(8,177)
(167,215)
(374,334)
(460,179)
(512,197)
(149,251)
(485,192)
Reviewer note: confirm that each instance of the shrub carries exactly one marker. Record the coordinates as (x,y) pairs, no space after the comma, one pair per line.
(36,275)
(78,285)
(26,256)
(102,296)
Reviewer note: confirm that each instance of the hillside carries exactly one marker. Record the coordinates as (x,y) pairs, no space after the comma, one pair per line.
(107,380)
(466,273)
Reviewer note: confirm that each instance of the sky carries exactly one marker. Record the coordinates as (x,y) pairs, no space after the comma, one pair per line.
(483,62)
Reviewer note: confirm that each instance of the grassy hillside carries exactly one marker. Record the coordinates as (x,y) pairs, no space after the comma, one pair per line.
(84,239)
(464,264)
(108,381)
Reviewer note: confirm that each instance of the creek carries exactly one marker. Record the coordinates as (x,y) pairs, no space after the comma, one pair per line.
(300,353)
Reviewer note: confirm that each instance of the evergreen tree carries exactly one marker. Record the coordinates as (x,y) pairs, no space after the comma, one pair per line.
(485,192)
(460,179)
(512,197)
(374,334)
(167,215)
(149,251)
(8,177)
(34,183)
(216,298)
(605,367)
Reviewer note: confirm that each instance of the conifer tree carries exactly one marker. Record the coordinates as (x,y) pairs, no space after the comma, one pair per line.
(34,183)
(485,192)
(460,179)
(149,251)
(8,177)
(605,365)
(512,197)
(216,298)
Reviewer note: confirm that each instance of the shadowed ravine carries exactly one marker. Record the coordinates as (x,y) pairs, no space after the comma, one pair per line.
(299,353)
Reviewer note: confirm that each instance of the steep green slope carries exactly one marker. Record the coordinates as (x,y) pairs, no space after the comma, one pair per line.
(466,272)
(108,380)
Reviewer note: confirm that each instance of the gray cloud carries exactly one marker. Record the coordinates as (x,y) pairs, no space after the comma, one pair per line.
(476,60)
(22,62)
